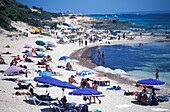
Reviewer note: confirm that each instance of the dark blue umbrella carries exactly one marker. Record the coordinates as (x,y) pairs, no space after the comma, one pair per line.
(84,73)
(64,58)
(41,55)
(45,74)
(39,42)
(86,92)
(66,24)
(55,82)
(151,82)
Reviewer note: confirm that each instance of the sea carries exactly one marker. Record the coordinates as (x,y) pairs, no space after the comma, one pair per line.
(140,61)
(157,22)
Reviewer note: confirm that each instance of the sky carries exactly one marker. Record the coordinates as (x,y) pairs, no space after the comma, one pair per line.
(98,6)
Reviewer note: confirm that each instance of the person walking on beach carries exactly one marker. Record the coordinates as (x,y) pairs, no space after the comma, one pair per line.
(98,53)
(95,87)
(157,75)
(140,34)
(103,55)
(85,42)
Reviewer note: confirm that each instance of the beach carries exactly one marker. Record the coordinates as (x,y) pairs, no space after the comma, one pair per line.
(111,101)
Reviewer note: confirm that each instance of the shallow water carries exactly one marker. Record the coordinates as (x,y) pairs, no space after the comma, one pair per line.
(136,60)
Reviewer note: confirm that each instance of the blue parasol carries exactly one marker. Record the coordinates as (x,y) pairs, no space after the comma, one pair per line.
(85,91)
(84,73)
(151,82)
(41,55)
(55,82)
(45,74)
(64,58)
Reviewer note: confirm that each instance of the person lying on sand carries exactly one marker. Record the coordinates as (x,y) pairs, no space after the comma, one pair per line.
(48,69)
(40,97)
(2,61)
(41,63)
(28,59)
(20,86)
(34,51)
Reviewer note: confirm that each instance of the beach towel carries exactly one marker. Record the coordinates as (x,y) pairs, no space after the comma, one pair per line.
(159,109)
(123,106)
(116,89)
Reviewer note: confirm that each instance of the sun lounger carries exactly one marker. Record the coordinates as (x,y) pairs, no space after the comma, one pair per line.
(29,97)
(39,102)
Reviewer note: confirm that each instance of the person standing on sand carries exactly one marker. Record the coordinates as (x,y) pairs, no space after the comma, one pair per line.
(95,87)
(140,34)
(85,42)
(157,75)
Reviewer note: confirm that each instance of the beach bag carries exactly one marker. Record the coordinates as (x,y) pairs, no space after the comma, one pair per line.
(84,109)
(154,102)
(114,87)
(162,98)
(118,87)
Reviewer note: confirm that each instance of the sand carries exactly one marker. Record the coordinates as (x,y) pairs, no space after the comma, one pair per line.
(113,101)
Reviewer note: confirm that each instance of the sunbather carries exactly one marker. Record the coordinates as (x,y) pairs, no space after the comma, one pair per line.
(28,59)
(48,69)
(2,61)
(72,80)
(46,97)
(29,92)
(41,63)
(68,66)
(34,51)
(24,86)
(13,62)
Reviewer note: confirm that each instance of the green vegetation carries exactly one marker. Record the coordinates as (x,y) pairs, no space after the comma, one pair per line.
(19,12)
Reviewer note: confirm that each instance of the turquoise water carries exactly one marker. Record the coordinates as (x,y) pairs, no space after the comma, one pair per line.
(136,60)
(147,21)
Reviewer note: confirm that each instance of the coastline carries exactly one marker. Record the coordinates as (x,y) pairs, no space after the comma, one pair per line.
(85,53)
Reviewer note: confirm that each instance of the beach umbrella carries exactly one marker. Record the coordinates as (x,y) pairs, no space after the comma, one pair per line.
(84,73)
(41,55)
(13,69)
(88,26)
(66,24)
(63,58)
(85,92)
(61,37)
(151,82)
(27,46)
(102,69)
(45,74)
(39,42)
(36,29)
(30,54)
(74,28)
(8,46)
(99,78)
(55,82)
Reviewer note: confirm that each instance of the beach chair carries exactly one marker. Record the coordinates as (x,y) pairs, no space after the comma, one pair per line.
(29,97)
(60,107)
(39,102)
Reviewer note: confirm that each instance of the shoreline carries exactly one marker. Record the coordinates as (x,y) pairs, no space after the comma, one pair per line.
(85,53)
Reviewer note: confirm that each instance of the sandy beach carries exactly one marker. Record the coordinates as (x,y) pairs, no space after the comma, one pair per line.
(113,101)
